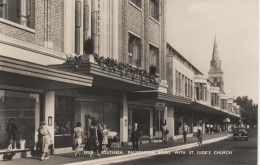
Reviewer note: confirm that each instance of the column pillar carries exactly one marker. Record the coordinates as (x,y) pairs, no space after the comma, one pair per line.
(124,120)
(151,124)
(49,111)
(170,122)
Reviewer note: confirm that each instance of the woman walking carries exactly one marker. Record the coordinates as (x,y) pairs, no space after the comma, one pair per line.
(105,138)
(92,143)
(45,140)
(77,138)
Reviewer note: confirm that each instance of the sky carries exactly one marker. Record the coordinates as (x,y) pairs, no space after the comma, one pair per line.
(191,27)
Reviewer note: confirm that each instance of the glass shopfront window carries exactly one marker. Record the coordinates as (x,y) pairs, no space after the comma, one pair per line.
(101,112)
(140,115)
(64,121)
(19,119)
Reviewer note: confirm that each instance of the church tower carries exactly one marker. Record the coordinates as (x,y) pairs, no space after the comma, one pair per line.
(215,72)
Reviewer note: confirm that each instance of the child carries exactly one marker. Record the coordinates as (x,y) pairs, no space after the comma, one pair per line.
(199,136)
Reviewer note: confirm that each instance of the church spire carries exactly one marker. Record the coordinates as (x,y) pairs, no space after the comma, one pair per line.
(215,64)
(215,72)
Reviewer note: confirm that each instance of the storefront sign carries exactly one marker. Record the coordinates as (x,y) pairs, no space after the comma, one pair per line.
(160,105)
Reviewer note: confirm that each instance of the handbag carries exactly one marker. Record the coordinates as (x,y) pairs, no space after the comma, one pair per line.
(166,132)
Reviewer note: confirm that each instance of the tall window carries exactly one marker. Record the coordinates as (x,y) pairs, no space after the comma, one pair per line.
(154,55)
(18,11)
(154,9)
(77,26)
(138,3)
(177,82)
(134,50)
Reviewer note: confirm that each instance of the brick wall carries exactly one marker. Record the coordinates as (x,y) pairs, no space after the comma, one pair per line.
(154,32)
(17,33)
(135,20)
(57,24)
(39,22)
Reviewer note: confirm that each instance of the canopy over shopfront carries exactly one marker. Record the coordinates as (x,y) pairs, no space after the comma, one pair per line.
(22,74)
(106,78)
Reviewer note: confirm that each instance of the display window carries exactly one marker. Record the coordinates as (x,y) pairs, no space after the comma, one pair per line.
(19,119)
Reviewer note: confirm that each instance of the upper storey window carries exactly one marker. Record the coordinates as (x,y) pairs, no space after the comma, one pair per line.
(138,3)
(18,11)
(154,57)
(154,9)
(134,50)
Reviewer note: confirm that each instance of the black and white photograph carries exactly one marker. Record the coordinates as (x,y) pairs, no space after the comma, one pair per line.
(131,82)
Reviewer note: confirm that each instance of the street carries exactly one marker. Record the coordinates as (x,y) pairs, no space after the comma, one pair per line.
(236,152)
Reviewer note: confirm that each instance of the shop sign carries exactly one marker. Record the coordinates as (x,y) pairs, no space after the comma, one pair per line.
(160,105)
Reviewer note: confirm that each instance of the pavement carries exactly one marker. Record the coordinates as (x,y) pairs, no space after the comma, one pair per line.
(121,154)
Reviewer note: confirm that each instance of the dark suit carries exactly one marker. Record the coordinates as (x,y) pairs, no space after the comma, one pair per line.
(135,135)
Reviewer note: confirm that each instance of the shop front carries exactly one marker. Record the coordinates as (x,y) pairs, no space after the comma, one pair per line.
(181,117)
(85,105)
(142,115)
(19,119)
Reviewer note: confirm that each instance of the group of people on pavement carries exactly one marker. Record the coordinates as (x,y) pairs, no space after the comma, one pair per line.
(98,138)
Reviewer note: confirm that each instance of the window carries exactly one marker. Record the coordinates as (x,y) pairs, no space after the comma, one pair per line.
(154,55)
(19,116)
(134,50)
(177,83)
(17,11)
(77,26)
(186,85)
(154,9)
(138,3)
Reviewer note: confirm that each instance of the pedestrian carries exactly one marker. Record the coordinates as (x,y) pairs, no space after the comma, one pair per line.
(11,130)
(45,140)
(77,138)
(185,131)
(100,136)
(199,136)
(105,138)
(164,132)
(135,135)
(92,143)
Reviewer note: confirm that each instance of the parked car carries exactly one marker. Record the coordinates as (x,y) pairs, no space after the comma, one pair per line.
(240,133)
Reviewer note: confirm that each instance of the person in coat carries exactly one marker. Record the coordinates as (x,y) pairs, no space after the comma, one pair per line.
(135,135)
(185,131)
(45,140)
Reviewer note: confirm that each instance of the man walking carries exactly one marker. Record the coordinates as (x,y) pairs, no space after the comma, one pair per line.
(185,131)
(135,135)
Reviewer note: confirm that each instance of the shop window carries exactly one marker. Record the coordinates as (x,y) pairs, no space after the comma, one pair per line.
(64,120)
(138,3)
(134,50)
(154,57)
(154,9)
(19,119)
(18,11)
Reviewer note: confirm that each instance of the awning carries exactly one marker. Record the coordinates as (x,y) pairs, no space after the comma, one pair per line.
(154,96)
(196,106)
(24,74)
(103,77)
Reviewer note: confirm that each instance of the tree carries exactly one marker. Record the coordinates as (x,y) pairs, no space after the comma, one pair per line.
(249,112)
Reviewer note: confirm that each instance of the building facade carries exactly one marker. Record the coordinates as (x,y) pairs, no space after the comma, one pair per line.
(99,60)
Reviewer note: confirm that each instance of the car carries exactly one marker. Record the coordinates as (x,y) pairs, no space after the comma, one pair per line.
(240,133)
